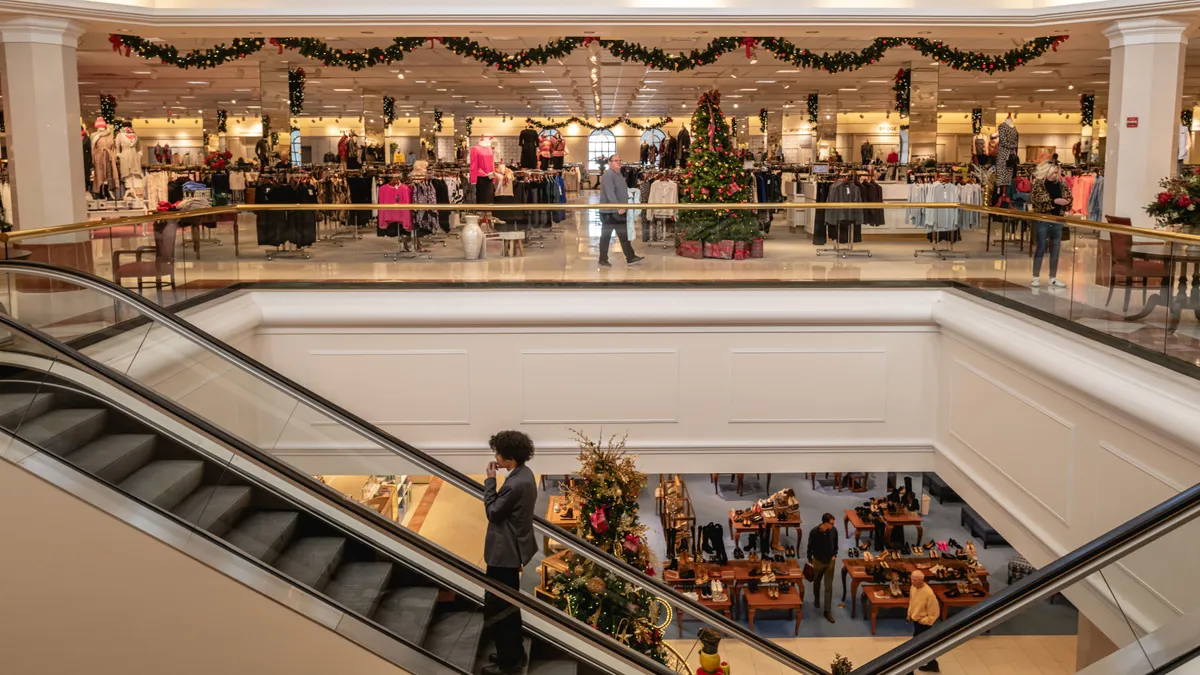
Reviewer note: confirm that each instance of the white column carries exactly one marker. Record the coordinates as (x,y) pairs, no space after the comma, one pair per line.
(40,81)
(1146,89)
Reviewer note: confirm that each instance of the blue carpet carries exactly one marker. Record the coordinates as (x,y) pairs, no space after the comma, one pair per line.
(942,523)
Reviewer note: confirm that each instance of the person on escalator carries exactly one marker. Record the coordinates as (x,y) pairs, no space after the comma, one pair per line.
(509,545)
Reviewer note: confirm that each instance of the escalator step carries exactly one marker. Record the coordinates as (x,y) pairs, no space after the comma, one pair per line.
(553,667)
(312,560)
(215,507)
(63,431)
(359,586)
(408,611)
(17,407)
(265,534)
(165,483)
(113,458)
(455,637)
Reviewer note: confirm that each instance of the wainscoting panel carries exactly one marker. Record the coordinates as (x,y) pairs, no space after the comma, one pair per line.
(400,391)
(600,386)
(809,376)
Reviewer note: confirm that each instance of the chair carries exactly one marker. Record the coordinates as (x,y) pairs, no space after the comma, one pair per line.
(1126,266)
(161,267)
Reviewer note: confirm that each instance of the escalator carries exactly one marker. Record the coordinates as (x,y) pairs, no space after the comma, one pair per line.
(137,437)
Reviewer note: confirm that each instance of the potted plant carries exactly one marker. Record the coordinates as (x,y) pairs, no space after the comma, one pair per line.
(1177,206)
(841,665)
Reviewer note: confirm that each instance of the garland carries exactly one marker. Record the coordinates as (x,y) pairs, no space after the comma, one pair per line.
(274,138)
(814,102)
(266,125)
(976,120)
(1185,118)
(1087,109)
(437,120)
(2,128)
(389,110)
(762,120)
(108,108)
(469,122)
(296,90)
(222,123)
(903,89)
(781,48)
(602,127)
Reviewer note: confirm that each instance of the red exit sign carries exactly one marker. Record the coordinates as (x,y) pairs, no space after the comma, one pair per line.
(1131,122)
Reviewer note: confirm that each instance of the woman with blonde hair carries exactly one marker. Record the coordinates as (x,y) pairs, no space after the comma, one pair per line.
(1051,195)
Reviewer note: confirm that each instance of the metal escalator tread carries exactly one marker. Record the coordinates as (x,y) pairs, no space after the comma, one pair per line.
(559,666)
(265,534)
(215,508)
(63,431)
(359,586)
(165,484)
(114,457)
(312,560)
(408,611)
(455,637)
(19,406)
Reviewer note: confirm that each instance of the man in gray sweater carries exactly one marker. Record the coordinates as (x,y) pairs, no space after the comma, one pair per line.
(614,191)
(509,545)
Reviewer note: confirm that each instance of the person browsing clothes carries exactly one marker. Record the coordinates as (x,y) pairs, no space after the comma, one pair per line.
(509,545)
(614,191)
(822,553)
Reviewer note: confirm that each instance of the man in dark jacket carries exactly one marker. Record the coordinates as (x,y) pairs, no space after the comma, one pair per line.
(822,553)
(509,545)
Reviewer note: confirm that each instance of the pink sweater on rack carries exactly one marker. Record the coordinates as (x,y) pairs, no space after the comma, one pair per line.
(483,162)
(398,194)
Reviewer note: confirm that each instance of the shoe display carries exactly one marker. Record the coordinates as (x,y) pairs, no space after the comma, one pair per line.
(738,555)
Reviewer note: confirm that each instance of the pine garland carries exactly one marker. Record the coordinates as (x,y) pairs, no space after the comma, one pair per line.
(813,108)
(1185,118)
(389,110)
(108,108)
(762,120)
(976,120)
(266,125)
(437,120)
(1087,109)
(469,122)
(537,56)
(903,89)
(296,90)
(169,55)
(602,127)
(222,121)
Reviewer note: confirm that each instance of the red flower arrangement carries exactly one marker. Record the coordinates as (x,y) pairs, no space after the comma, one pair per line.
(1176,206)
(218,160)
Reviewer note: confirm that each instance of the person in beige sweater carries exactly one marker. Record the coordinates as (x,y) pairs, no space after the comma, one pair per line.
(923,611)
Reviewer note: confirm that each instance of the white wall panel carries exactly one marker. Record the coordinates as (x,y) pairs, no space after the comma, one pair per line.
(599,386)
(757,376)
(399,391)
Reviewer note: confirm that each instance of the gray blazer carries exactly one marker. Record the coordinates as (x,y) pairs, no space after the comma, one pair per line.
(613,190)
(510,541)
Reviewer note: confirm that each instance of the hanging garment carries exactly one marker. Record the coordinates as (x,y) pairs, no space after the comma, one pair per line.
(1007,148)
(528,140)
(390,222)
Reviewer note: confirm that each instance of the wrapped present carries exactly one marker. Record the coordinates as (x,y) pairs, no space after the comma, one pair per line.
(741,250)
(690,249)
(756,248)
(722,249)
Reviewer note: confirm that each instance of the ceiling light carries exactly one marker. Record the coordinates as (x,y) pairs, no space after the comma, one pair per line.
(1045,90)
(343,90)
(879,81)
(400,76)
(826,116)
(764,82)
(787,71)
(141,72)
(1070,86)
(141,91)
(197,82)
(748,89)
(1043,72)
(440,89)
(549,89)
(735,106)
(243,89)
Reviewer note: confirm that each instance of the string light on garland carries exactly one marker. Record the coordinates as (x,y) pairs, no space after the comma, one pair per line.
(222,121)
(355,60)
(813,108)
(511,63)
(2,128)
(1087,109)
(296,90)
(437,120)
(903,89)
(169,55)
(762,120)
(389,110)
(976,120)
(1185,118)
(601,127)
(108,108)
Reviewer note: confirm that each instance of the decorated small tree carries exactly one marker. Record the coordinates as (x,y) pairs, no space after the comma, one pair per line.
(714,175)
(607,498)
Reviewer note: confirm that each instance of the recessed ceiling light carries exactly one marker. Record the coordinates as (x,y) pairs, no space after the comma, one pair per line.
(1003,96)
(1046,90)
(141,91)
(1043,72)
(945,90)
(440,89)
(344,90)
(847,88)
(787,71)
(1014,106)
(549,89)
(764,81)
(197,82)
(243,89)
(879,81)
(141,72)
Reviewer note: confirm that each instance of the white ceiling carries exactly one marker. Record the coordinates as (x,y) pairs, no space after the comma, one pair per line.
(438,78)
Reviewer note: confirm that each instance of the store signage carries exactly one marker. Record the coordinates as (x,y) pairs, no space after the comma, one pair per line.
(888,128)
(1131,122)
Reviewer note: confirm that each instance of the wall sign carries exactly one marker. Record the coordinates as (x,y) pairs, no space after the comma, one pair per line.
(1131,122)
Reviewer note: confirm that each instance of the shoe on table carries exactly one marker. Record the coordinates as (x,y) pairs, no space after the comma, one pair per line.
(1035,283)
(1056,283)
(635,260)
(605,263)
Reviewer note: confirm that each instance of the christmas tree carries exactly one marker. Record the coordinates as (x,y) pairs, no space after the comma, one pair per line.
(714,175)
(607,499)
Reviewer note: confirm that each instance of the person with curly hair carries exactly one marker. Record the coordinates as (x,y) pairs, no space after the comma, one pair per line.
(509,545)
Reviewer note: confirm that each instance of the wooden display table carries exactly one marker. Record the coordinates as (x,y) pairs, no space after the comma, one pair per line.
(881,598)
(736,529)
(940,590)
(792,600)
(891,520)
(726,576)
(856,569)
(556,518)
(736,574)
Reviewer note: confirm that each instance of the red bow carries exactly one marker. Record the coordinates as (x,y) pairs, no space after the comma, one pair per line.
(899,75)
(589,40)
(1058,39)
(433,41)
(117,43)
(277,43)
(748,43)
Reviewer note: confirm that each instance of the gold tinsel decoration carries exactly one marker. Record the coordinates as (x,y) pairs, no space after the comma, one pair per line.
(595,585)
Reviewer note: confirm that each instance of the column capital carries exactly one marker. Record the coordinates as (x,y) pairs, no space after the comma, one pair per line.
(41,30)
(1146,31)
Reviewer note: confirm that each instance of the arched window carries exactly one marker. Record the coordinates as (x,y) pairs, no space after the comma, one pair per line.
(653,136)
(548,132)
(601,144)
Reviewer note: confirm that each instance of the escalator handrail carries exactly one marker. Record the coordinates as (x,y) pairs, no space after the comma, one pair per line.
(445,472)
(328,496)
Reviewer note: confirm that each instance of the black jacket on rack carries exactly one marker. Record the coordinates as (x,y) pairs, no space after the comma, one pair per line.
(276,228)
(360,193)
(528,139)
(872,192)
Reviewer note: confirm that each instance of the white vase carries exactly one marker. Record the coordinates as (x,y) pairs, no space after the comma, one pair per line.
(472,237)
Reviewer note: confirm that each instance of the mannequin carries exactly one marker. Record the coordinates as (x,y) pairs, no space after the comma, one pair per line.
(483,165)
(528,141)
(979,148)
(129,154)
(546,150)
(685,145)
(867,152)
(672,151)
(104,159)
(343,150)
(262,150)
(1185,145)
(904,144)
(558,150)
(1006,157)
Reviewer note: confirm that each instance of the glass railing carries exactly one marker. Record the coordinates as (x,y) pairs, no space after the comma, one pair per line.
(251,407)
(1136,289)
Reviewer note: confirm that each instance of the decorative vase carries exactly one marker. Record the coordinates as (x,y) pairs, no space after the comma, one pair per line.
(472,237)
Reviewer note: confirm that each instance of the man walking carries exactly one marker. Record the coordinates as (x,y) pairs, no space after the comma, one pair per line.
(509,545)
(614,191)
(923,611)
(822,553)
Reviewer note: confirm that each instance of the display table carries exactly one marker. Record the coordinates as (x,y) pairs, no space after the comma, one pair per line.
(736,528)
(856,570)
(881,598)
(1183,300)
(891,520)
(940,590)
(556,518)
(756,601)
(736,574)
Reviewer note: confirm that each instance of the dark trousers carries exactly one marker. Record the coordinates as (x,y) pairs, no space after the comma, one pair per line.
(1048,234)
(503,620)
(614,222)
(919,628)
(823,571)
